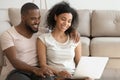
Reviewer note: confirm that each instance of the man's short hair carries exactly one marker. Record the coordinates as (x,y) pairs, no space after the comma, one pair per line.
(28,6)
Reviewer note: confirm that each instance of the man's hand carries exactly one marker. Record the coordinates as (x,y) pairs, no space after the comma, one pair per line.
(75,35)
(43,72)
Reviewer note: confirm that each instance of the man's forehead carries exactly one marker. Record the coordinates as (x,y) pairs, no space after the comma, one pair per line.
(34,11)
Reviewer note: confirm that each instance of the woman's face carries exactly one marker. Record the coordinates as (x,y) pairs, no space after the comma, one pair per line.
(63,21)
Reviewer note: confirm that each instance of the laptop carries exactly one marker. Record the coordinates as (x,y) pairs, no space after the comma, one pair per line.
(91,67)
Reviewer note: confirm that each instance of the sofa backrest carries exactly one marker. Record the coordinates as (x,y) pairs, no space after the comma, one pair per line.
(84,17)
(105,23)
(84,22)
(15,17)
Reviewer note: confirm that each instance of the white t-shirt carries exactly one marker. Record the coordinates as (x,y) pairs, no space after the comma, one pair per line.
(60,56)
(26,48)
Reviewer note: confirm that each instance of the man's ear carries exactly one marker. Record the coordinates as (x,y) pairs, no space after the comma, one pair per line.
(23,18)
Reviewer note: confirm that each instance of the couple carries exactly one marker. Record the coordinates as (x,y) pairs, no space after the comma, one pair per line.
(56,54)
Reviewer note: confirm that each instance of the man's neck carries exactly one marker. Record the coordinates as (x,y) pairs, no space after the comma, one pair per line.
(21,29)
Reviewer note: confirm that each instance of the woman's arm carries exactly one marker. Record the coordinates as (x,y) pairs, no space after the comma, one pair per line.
(78,52)
(41,51)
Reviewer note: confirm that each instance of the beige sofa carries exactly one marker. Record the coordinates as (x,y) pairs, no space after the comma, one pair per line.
(100,35)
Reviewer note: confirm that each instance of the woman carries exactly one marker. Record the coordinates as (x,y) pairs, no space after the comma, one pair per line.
(56,50)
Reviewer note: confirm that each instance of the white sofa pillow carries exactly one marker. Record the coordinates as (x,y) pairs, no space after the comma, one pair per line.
(14,15)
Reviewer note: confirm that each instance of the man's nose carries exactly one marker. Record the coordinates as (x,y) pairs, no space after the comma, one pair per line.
(37,21)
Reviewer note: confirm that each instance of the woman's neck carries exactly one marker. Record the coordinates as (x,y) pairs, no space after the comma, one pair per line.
(59,36)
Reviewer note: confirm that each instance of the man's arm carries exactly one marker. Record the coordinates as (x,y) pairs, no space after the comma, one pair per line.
(20,65)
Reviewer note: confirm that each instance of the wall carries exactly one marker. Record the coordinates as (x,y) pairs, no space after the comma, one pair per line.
(18,3)
(78,4)
(96,4)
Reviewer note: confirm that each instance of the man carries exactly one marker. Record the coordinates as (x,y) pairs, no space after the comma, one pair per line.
(19,46)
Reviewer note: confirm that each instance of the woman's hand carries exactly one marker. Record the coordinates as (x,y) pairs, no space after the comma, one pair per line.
(64,74)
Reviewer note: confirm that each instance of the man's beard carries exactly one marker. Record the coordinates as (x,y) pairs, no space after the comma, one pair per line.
(30,29)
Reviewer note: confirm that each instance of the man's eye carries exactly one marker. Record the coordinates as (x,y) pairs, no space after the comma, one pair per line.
(32,18)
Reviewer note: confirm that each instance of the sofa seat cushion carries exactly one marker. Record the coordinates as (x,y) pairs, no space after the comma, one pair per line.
(85,46)
(105,46)
(112,70)
(6,69)
(111,74)
(113,63)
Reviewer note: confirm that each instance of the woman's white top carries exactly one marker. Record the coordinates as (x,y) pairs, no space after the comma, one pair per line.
(60,56)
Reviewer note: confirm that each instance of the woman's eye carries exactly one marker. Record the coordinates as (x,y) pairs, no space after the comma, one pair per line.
(69,21)
(63,19)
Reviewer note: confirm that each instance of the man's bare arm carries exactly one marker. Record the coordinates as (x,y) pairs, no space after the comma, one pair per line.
(20,65)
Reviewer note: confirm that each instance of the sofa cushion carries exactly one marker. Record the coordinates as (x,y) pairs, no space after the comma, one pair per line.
(85,41)
(14,15)
(43,14)
(112,70)
(84,22)
(105,46)
(105,23)
(6,69)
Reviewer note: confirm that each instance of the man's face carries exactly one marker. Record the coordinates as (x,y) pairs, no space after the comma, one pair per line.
(32,20)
